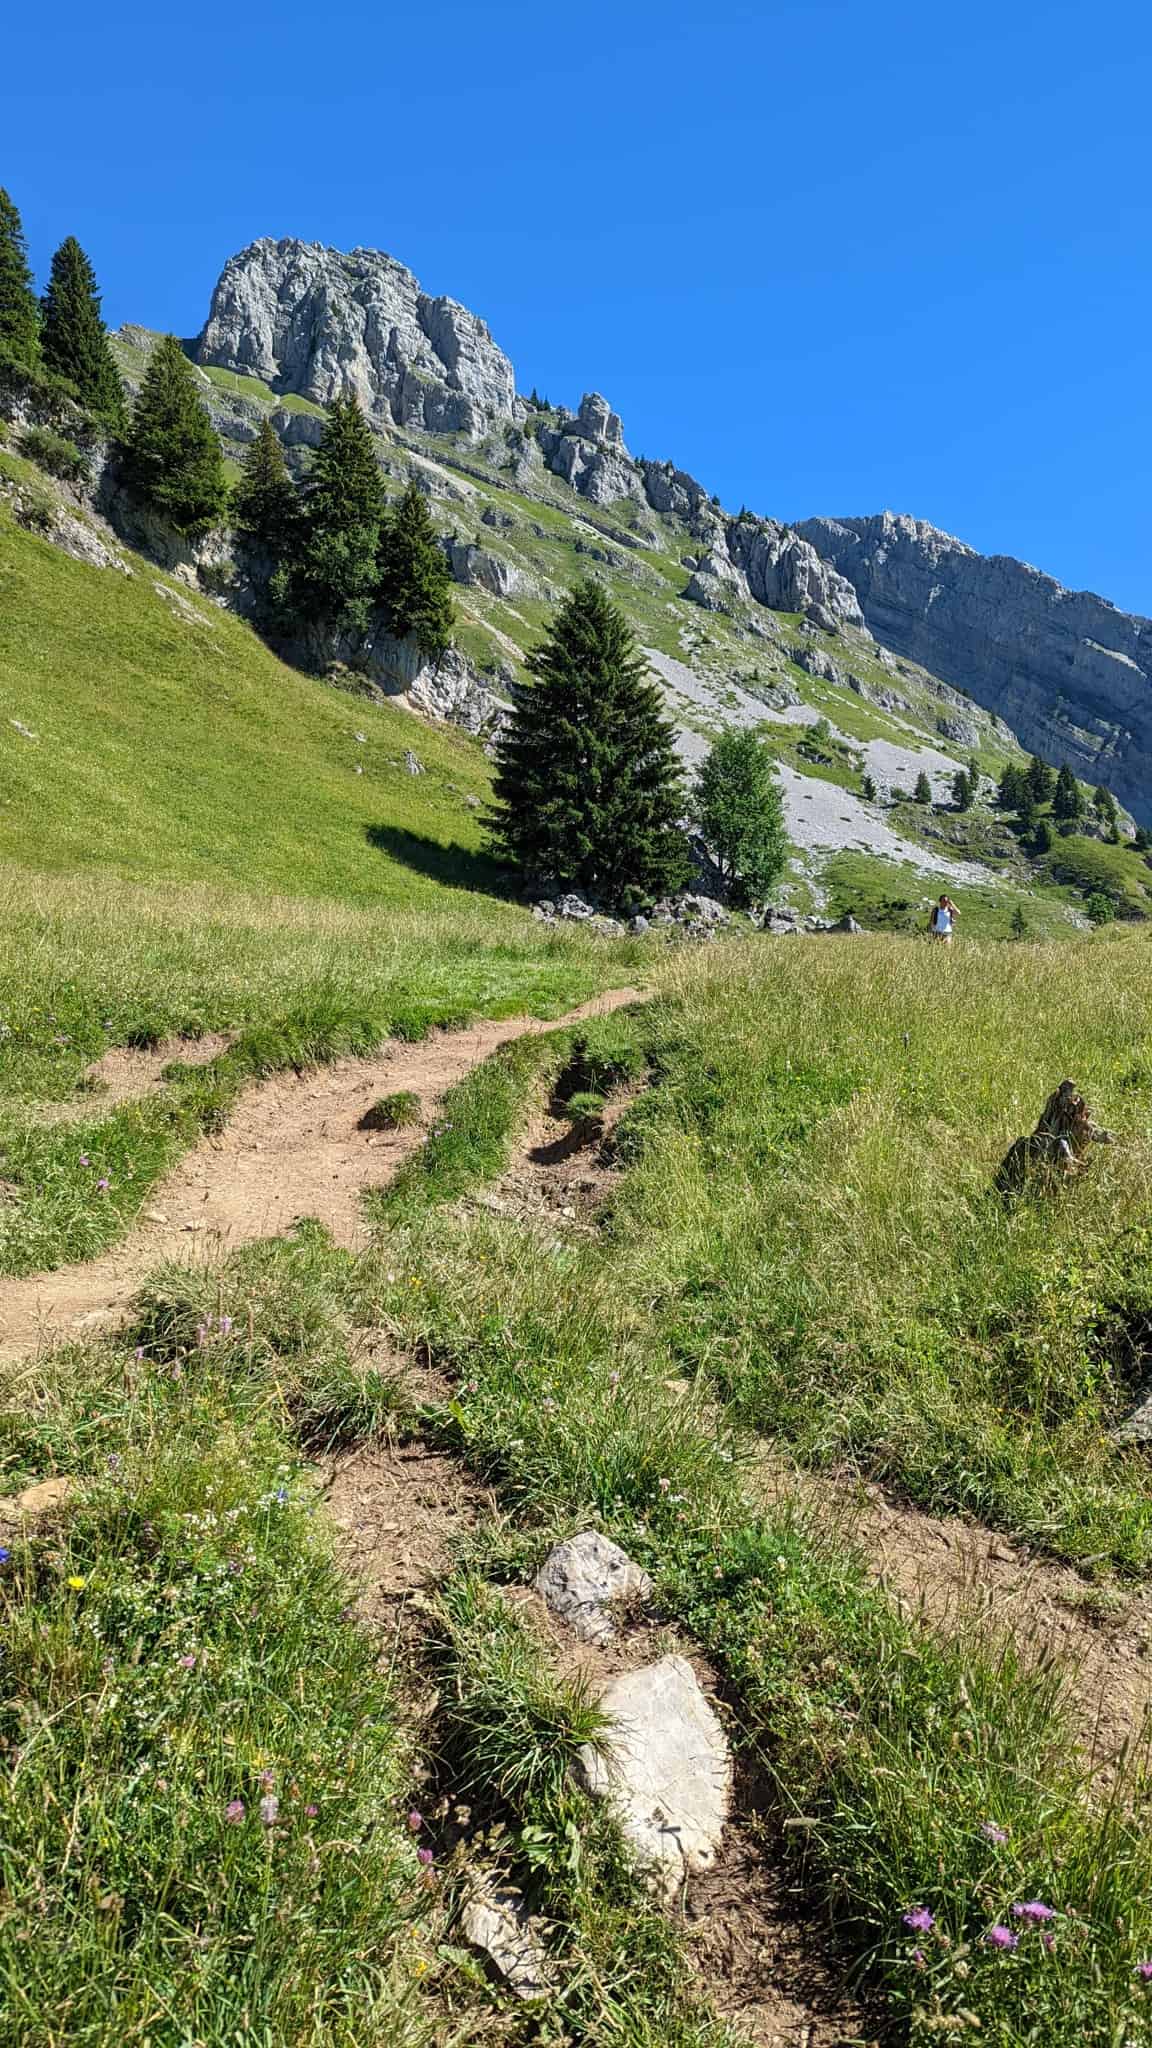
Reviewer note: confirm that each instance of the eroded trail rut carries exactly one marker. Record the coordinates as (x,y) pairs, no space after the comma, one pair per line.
(292,1148)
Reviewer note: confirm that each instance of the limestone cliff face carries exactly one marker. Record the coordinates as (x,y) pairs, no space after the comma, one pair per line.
(311,320)
(1071,675)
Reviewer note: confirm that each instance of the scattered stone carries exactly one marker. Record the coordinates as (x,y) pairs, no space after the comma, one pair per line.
(663,1760)
(496,1921)
(580,1581)
(577,908)
(155,1216)
(36,1501)
(847,924)
(1136,1427)
(413,763)
(638,924)
(1056,1151)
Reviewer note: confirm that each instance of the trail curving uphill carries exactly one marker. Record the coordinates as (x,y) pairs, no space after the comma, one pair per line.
(293,1147)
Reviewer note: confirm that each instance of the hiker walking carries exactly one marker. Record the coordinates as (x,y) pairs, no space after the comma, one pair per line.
(943,919)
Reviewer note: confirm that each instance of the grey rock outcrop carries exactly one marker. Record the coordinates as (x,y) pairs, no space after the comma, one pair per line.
(495,1919)
(663,1761)
(314,321)
(1070,673)
(583,1579)
(482,569)
(784,571)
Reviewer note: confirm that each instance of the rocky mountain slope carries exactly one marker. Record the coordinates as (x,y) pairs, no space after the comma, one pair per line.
(1071,674)
(744,619)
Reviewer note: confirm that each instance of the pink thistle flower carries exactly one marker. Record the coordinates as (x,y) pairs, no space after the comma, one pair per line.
(311,1811)
(84,1159)
(1001,1937)
(1144,1970)
(188,1663)
(1033,1911)
(993,1832)
(103,1185)
(425,1857)
(234,1811)
(415,1821)
(919,1919)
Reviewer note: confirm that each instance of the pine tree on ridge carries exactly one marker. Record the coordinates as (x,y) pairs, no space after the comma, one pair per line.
(73,337)
(172,457)
(415,582)
(19,312)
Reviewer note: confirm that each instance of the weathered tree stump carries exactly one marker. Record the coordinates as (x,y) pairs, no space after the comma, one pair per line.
(1057,1150)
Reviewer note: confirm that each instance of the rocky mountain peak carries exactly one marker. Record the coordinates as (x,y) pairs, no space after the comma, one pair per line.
(323,324)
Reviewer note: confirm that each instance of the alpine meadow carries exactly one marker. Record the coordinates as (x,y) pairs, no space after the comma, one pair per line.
(575,1199)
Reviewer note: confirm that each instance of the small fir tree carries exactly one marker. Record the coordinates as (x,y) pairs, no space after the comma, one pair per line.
(868,789)
(19,313)
(974,776)
(73,337)
(172,456)
(415,583)
(1018,924)
(1068,800)
(337,577)
(923,791)
(1026,805)
(1041,780)
(588,788)
(962,790)
(1008,787)
(740,813)
(1042,837)
(265,506)
(1104,805)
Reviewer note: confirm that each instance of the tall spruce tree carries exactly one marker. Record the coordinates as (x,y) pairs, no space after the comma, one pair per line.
(588,788)
(415,584)
(1041,780)
(73,338)
(740,812)
(265,505)
(337,577)
(19,312)
(172,456)
(922,793)
(1068,802)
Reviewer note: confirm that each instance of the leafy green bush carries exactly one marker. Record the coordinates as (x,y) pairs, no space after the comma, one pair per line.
(1100,908)
(55,453)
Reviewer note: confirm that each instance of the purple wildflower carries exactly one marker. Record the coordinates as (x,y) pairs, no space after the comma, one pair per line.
(993,1832)
(234,1811)
(311,1811)
(1144,1970)
(103,1185)
(1033,1911)
(5,1553)
(425,1857)
(1001,1937)
(919,1919)
(139,1353)
(415,1821)
(269,1809)
(918,1958)
(188,1663)
(225,1326)
(1049,1941)
(84,1159)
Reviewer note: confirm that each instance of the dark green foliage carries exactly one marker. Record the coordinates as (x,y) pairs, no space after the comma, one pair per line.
(868,789)
(974,775)
(73,337)
(1041,780)
(336,575)
(1141,840)
(172,456)
(1042,837)
(1018,924)
(1100,907)
(923,791)
(415,584)
(1026,804)
(19,313)
(265,506)
(1104,806)
(55,453)
(741,815)
(588,787)
(963,794)
(1068,800)
(1008,787)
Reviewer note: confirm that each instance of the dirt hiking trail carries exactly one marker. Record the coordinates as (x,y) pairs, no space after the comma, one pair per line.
(293,1147)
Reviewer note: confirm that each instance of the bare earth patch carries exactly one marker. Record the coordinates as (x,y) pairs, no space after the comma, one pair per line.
(127,1073)
(559,1171)
(294,1147)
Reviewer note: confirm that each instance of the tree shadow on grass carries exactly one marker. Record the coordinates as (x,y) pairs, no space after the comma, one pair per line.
(458,867)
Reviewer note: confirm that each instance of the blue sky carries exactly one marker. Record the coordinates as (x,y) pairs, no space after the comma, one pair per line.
(831,257)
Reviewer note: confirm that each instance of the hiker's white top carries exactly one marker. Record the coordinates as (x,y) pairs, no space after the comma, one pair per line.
(942,919)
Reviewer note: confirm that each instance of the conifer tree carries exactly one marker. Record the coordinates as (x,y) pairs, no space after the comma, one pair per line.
(1068,801)
(1104,804)
(974,776)
(1041,780)
(588,788)
(741,815)
(172,456)
(868,789)
(73,338)
(264,501)
(337,576)
(962,790)
(415,583)
(19,313)
(1008,788)
(923,791)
